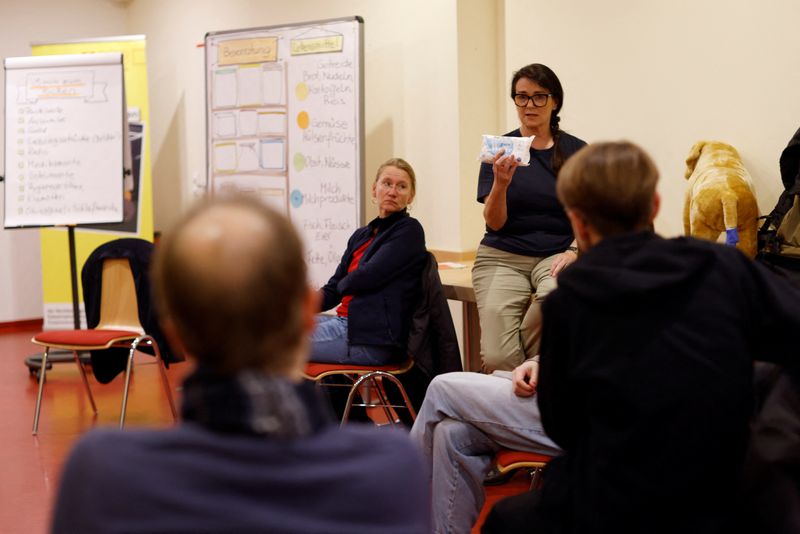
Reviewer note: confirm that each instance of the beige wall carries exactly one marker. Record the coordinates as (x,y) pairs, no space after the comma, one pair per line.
(666,74)
(434,83)
(480,73)
(25,22)
(663,74)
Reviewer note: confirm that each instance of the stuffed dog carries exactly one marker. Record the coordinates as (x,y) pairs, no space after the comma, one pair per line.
(720,197)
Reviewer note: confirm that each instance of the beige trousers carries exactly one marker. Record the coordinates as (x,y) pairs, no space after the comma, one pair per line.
(509,290)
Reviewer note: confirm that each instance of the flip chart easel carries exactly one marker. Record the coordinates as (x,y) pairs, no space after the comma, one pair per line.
(65,144)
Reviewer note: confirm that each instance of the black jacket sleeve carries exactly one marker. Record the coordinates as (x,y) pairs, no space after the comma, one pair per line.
(775,308)
(557,397)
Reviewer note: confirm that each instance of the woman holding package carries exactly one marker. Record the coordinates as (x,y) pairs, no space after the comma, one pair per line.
(377,283)
(528,238)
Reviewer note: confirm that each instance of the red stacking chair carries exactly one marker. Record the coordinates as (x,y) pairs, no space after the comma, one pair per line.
(360,375)
(119,326)
(508,460)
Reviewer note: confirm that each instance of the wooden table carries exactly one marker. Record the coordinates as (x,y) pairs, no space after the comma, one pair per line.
(457,285)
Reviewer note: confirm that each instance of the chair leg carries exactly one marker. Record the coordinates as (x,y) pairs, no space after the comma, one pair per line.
(406,400)
(164,379)
(128,371)
(536,477)
(85,380)
(383,398)
(349,403)
(371,376)
(42,377)
(128,367)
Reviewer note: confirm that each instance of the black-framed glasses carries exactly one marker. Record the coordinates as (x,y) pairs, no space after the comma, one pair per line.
(539,99)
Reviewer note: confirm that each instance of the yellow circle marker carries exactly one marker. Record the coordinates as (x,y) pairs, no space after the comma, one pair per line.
(301,91)
(299,162)
(302,120)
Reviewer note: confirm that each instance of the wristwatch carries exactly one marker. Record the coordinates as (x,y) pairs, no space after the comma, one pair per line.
(572,249)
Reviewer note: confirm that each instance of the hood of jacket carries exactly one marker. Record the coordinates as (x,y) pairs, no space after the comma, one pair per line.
(624,269)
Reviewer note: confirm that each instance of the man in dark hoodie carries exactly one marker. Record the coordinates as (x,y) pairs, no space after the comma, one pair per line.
(645,381)
(646,364)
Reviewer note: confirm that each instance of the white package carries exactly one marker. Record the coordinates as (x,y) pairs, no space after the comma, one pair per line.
(520,147)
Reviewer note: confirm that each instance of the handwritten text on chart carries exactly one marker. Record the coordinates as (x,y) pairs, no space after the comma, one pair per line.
(332,94)
(44,187)
(330,193)
(316,45)
(51,175)
(332,79)
(74,138)
(41,110)
(322,229)
(63,85)
(46,154)
(248,51)
(322,257)
(326,162)
(329,138)
(332,123)
(75,207)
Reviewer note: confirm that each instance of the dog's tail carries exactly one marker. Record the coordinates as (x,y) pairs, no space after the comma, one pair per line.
(729,202)
(729,217)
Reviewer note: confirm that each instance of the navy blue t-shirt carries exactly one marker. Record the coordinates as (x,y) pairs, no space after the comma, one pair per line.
(537,224)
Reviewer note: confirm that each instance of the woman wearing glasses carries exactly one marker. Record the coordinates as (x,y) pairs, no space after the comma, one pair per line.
(528,238)
(377,283)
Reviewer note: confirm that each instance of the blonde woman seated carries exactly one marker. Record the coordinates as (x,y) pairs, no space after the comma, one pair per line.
(377,284)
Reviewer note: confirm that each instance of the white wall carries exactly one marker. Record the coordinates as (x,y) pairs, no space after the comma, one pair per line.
(411,92)
(666,74)
(24,23)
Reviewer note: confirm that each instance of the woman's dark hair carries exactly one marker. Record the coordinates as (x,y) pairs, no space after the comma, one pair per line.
(544,76)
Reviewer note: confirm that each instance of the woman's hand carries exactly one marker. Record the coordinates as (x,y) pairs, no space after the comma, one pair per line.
(495,211)
(504,167)
(524,378)
(561,261)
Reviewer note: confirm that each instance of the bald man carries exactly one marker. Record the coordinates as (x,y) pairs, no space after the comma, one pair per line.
(256,450)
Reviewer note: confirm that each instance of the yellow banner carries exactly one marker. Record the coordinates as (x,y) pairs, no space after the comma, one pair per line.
(56,285)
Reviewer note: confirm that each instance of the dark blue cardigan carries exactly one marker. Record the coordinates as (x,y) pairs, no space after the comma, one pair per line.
(385,286)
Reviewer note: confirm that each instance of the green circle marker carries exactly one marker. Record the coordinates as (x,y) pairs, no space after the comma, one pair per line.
(299,162)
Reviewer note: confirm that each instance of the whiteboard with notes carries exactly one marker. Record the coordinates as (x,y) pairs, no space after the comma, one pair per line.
(285,123)
(64,142)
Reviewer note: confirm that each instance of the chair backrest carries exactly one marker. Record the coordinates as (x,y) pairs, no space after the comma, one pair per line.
(118,304)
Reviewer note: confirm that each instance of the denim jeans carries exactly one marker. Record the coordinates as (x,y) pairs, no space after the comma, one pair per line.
(329,345)
(464,419)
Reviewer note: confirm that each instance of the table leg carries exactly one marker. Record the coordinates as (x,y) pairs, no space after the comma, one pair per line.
(472,337)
